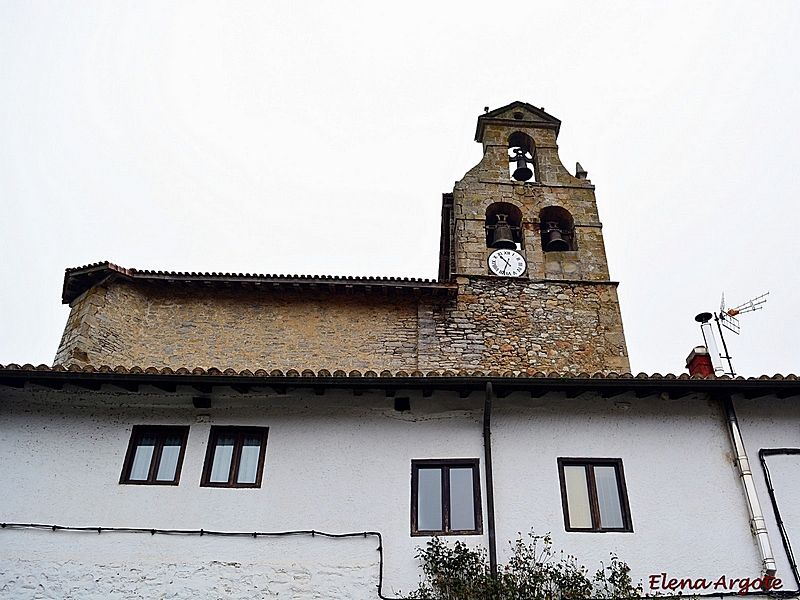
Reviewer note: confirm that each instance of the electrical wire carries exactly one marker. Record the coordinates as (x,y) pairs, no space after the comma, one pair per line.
(314,533)
(211,532)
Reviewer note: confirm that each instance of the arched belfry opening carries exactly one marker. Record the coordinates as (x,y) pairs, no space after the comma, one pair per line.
(557,229)
(521,157)
(503,226)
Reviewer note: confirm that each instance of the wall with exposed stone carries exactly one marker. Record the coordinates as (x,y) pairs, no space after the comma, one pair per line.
(518,325)
(489,182)
(562,315)
(491,325)
(174,326)
(82,331)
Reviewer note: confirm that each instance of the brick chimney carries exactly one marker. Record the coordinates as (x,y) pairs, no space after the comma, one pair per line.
(699,362)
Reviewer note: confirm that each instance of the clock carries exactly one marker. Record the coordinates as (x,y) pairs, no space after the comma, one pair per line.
(507,262)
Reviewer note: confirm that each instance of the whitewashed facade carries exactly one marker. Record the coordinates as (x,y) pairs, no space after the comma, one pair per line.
(338,462)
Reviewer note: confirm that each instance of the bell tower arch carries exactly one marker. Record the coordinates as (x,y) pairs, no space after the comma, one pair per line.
(521,168)
(520,222)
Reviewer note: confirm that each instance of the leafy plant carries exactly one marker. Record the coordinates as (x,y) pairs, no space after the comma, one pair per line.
(534,572)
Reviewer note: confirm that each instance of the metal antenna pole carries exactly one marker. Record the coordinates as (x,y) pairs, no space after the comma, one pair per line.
(724,346)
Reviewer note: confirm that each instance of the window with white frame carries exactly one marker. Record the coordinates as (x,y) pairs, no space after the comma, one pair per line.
(445,497)
(235,457)
(593,494)
(155,455)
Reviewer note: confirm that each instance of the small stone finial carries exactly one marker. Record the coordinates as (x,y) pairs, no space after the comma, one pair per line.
(580,172)
(486,109)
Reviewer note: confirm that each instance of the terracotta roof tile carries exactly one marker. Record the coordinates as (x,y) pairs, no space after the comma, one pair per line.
(79,279)
(324,373)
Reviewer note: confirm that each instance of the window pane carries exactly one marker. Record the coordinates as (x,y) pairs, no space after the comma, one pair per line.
(462,500)
(248,463)
(141,459)
(223,454)
(580,516)
(429,500)
(169,458)
(608,497)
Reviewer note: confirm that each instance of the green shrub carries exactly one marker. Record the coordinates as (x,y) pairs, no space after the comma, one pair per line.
(534,572)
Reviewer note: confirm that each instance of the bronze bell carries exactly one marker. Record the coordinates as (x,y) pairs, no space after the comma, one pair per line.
(522,172)
(502,237)
(555,241)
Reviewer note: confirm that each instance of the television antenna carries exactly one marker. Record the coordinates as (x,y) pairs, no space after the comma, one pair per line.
(728,318)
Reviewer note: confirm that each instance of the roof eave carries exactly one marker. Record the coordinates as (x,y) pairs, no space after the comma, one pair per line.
(204,381)
(78,281)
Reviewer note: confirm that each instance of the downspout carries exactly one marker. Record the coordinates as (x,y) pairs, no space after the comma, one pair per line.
(757,523)
(487,449)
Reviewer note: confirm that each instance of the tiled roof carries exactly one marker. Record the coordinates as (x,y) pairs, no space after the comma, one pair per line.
(136,370)
(80,279)
(465,382)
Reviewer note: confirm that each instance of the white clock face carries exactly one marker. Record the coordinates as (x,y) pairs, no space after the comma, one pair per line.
(506,262)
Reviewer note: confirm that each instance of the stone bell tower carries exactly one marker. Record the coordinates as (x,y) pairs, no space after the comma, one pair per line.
(520,232)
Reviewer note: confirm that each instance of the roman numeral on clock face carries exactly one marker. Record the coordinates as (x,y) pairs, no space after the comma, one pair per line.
(507,263)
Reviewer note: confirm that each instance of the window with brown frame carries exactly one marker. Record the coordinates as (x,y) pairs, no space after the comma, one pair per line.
(155,455)
(235,457)
(594,495)
(445,497)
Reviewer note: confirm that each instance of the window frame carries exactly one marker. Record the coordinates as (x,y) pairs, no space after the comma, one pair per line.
(445,465)
(233,470)
(591,485)
(161,432)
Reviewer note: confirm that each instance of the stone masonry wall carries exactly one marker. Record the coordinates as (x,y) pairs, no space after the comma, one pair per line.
(562,315)
(489,182)
(492,325)
(174,326)
(80,330)
(520,325)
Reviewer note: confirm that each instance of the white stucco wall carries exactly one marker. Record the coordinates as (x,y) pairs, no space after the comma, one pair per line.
(768,423)
(339,463)
(42,564)
(689,514)
(332,464)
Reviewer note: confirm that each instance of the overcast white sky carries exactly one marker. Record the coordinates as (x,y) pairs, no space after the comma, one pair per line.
(317,138)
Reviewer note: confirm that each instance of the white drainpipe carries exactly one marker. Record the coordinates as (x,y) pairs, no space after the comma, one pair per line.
(757,523)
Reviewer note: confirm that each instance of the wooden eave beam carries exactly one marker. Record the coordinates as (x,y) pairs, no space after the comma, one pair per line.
(611,392)
(165,386)
(88,384)
(128,386)
(203,388)
(464,386)
(77,282)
